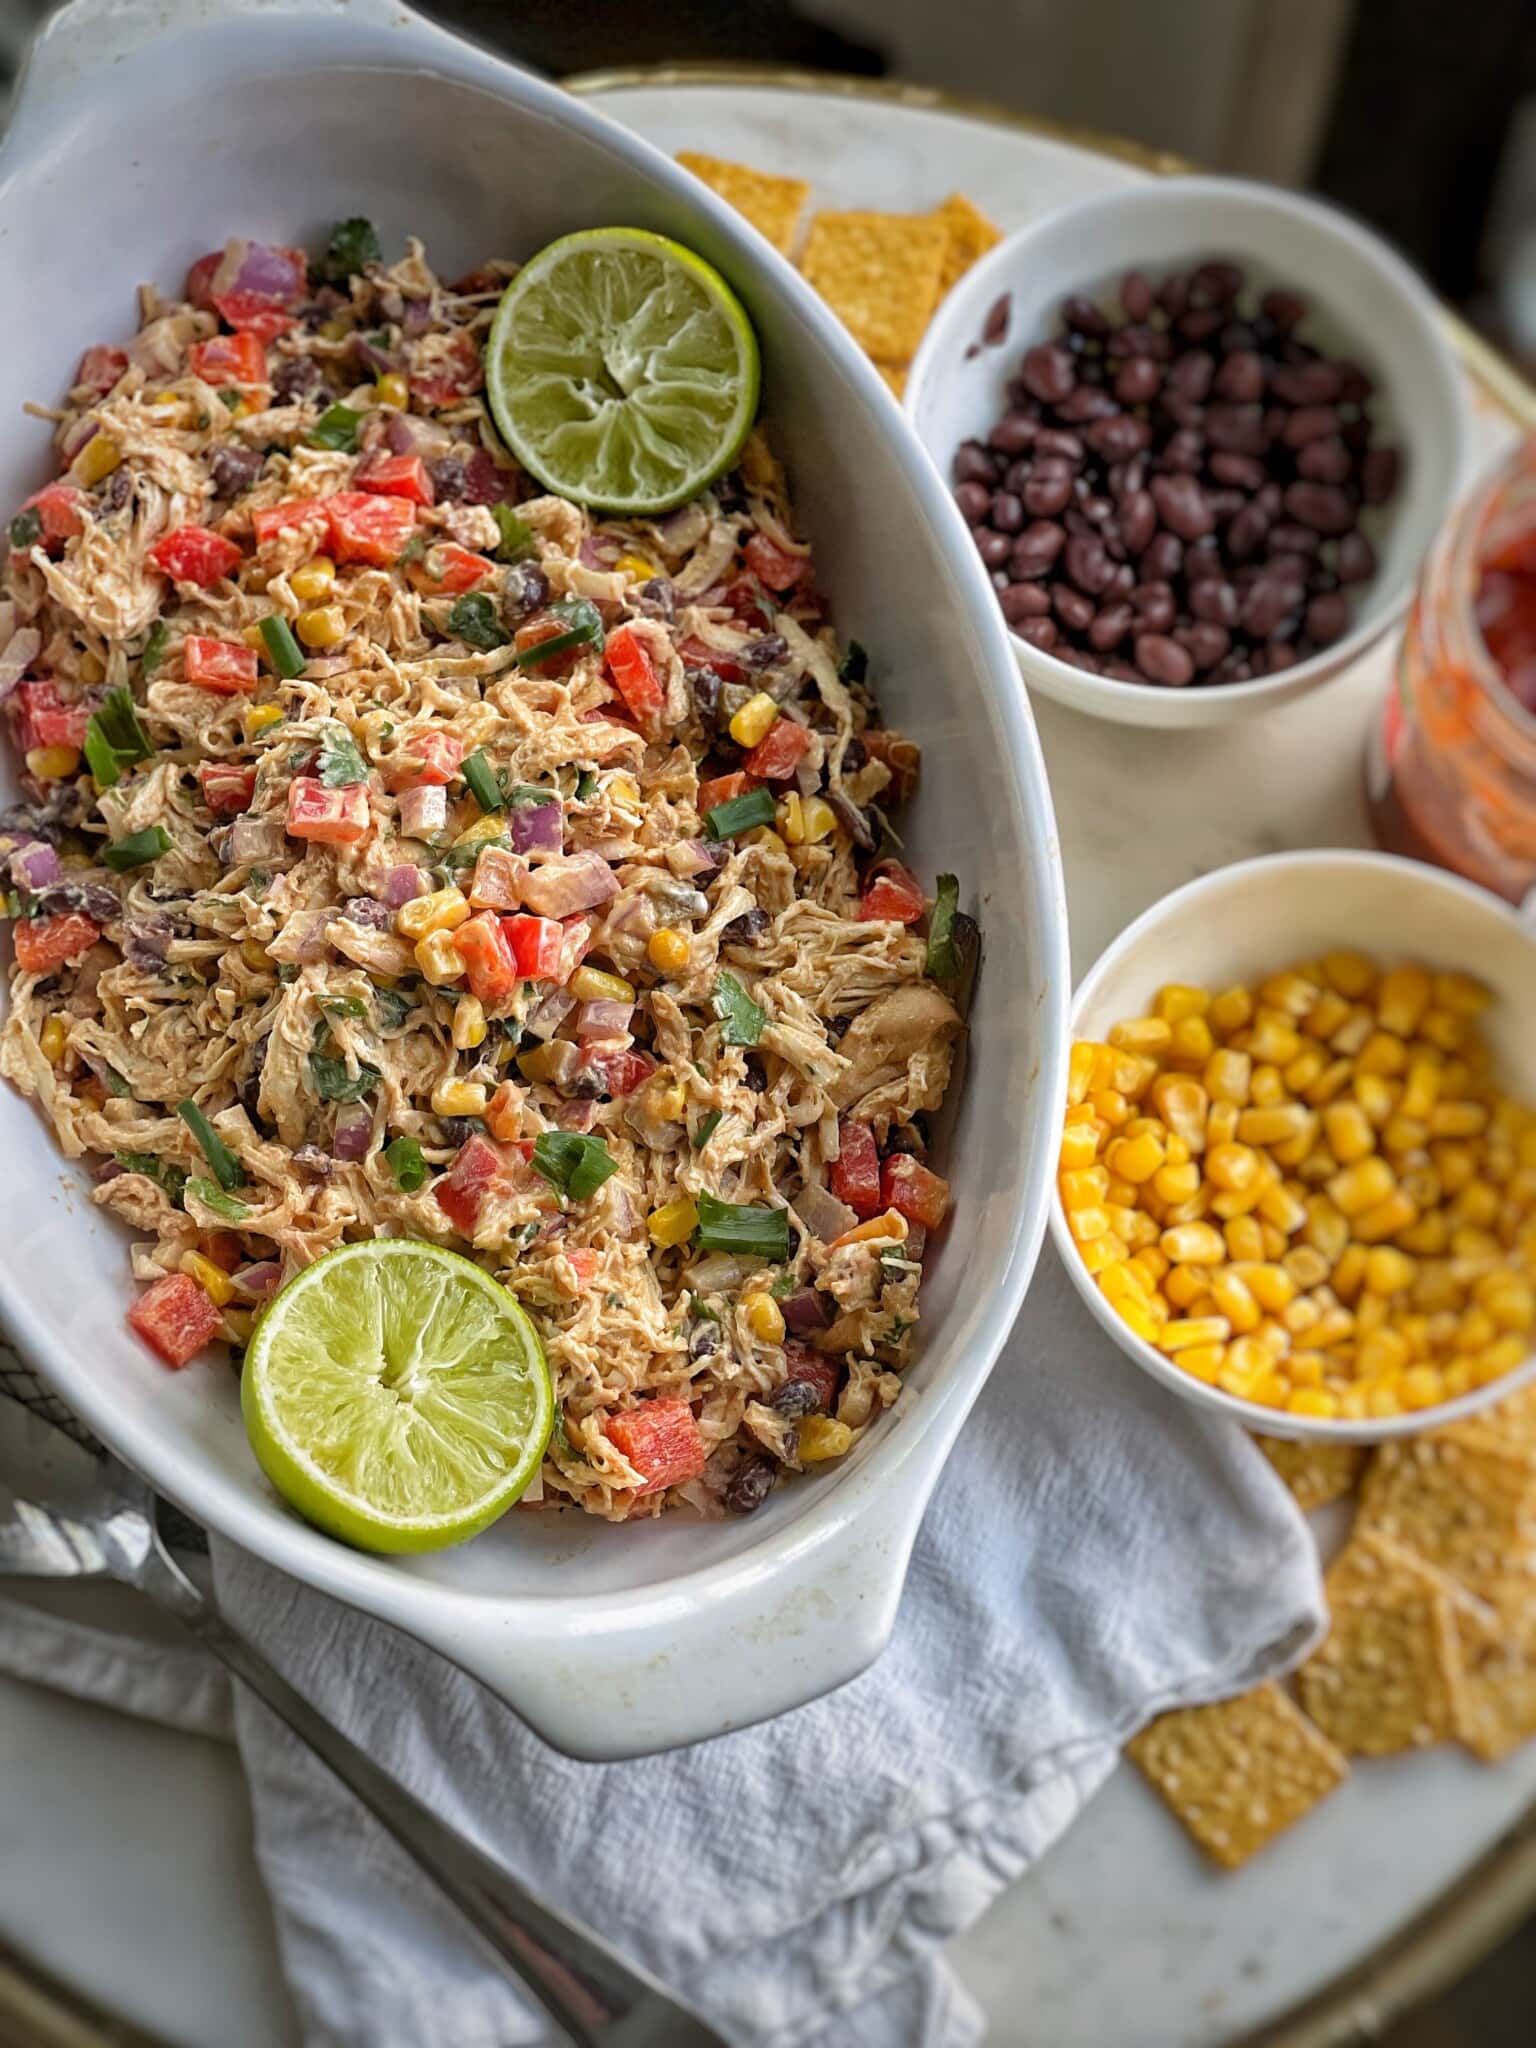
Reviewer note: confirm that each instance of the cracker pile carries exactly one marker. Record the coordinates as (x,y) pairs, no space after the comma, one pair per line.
(883,274)
(1433,1637)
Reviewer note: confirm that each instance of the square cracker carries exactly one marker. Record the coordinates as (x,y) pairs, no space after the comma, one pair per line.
(971,235)
(1316,1473)
(880,273)
(1499,1658)
(1239,1773)
(1390,1675)
(1465,1507)
(773,205)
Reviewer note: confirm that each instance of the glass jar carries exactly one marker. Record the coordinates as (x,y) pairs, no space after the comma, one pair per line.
(1451,766)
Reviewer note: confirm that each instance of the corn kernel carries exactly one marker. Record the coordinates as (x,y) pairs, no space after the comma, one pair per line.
(1184,1285)
(635,567)
(323,627)
(1138,1320)
(1100,1253)
(1083,1187)
(1385,1219)
(1121,1282)
(1088,1222)
(1079,1144)
(1305,1368)
(1080,1072)
(1421,1387)
(1314,1401)
(92,670)
(1457,1119)
(314,579)
(753,720)
(444,910)
(213,1280)
(818,820)
(1358,1187)
(1142,1034)
(1272,1126)
(261,718)
(1192,1043)
(1330,1083)
(1402,1134)
(1151,1264)
(1273,1040)
(53,764)
(765,1319)
(51,1040)
(1353,1032)
(592,985)
(469,1025)
(1203,1361)
(1512,1304)
(1230,1011)
(1193,1244)
(1137,1159)
(1182,1104)
(668,952)
(1177,1001)
(1376,1096)
(821,1437)
(1227,1076)
(97,459)
(439,959)
(1176,1335)
(1349,1132)
(1421,1089)
(1352,974)
(1306,1265)
(458,1098)
(1462,994)
(1244,1239)
(1221,1124)
(1388,1271)
(1501,1356)
(1325,1016)
(392,389)
(1234,1299)
(1477,1206)
(1177,1183)
(1110,1106)
(1335,1326)
(1306,1068)
(1232,1166)
(255,954)
(1444,1031)
(1455,1164)
(1402,999)
(673,1223)
(1291,993)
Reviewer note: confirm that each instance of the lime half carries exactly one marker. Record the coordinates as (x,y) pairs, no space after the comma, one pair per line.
(397,1396)
(622,370)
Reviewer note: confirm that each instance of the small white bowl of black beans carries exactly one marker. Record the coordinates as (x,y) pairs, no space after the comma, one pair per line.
(1203,432)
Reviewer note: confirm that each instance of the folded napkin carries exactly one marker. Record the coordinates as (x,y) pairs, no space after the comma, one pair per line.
(1096,1552)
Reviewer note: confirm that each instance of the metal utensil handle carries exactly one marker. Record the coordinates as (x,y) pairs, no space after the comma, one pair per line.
(579,1982)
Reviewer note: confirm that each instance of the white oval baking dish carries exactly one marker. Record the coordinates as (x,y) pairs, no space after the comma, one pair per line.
(146,131)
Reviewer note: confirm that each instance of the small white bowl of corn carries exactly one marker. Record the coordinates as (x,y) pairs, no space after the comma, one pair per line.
(1298,1172)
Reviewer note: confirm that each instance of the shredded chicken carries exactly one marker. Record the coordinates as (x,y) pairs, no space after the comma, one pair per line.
(220,904)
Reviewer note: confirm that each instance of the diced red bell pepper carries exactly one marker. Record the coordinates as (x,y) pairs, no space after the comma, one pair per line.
(748,601)
(462,1188)
(43,943)
(901,756)
(254,313)
(198,289)
(227,787)
(773,565)
(447,570)
(229,359)
(222,665)
(490,960)
(396,476)
(456,371)
(661,1439)
(697,653)
(854,1176)
(195,554)
(534,632)
(225,1250)
(367,527)
(428,758)
(535,943)
(815,1368)
(60,509)
(908,1186)
(620,1071)
(100,368)
(45,720)
(721,788)
(583,1262)
(294,515)
(633,675)
(779,752)
(893,892)
(176,1318)
(337,816)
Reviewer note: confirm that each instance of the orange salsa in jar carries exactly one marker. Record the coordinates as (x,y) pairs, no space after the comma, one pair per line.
(1451,768)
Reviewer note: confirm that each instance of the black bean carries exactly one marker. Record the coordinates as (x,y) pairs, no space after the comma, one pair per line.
(1307,383)
(1324,507)
(1284,538)
(1048,371)
(1110,627)
(1086,403)
(1012,434)
(992,547)
(297,378)
(1356,559)
(1162,660)
(1037,548)
(1072,608)
(1024,601)
(1138,381)
(795,1398)
(1154,606)
(1007,512)
(1049,490)
(1087,565)
(233,470)
(975,464)
(1379,469)
(1057,441)
(1310,423)
(1181,506)
(523,589)
(1084,317)
(1205,642)
(1355,387)
(1327,617)
(1138,519)
(1267,604)
(1183,452)
(1284,308)
(974,500)
(1241,377)
(1162,558)
(1200,324)
(995,326)
(1118,438)
(1214,600)
(1325,461)
(1239,429)
(1135,295)
(749,1485)
(1039,633)
(763,651)
(1192,374)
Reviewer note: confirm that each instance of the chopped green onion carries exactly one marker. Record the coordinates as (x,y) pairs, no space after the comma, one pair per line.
(344,1006)
(784,1287)
(232,399)
(26,528)
(353,243)
(740,814)
(517,539)
(392,1006)
(336,428)
(742,1227)
(406,1164)
(473,619)
(340,761)
(585,626)
(227,1170)
(707,1129)
(741,1018)
(137,850)
(283,651)
(483,786)
(530,796)
(577,1166)
(457,857)
(334,1082)
(160,1171)
(855,663)
(116,1084)
(213,1197)
(586,784)
(943,956)
(114,738)
(154,649)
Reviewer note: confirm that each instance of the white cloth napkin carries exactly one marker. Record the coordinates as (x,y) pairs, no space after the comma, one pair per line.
(1096,1552)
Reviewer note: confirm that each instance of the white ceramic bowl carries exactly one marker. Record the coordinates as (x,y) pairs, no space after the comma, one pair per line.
(149,130)
(1245,921)
(1367,304)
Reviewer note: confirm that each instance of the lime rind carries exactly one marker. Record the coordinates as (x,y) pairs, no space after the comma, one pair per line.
(622,370)
(397,1396)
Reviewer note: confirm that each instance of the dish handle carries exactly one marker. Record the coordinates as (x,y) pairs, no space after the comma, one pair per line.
(85,38)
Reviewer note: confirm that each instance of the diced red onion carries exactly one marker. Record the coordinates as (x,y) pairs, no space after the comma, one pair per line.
(603,1018)
(598,551)
(636,913)
(35,866)
(916,1242)
(302,939)
(399,433)
(423,812)
(692,857)
(320,665)
(562,887)
(804,1311)
(580,1114)
(486,482)
(537,828)
(354,1132)
(254,839)
(21,649)
(823,1215)
(105,1170)
(278,274)
(374,357)
(367,910)
(546,1020)
(258,1282)
(403,885)
(417,317)
(80,434)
